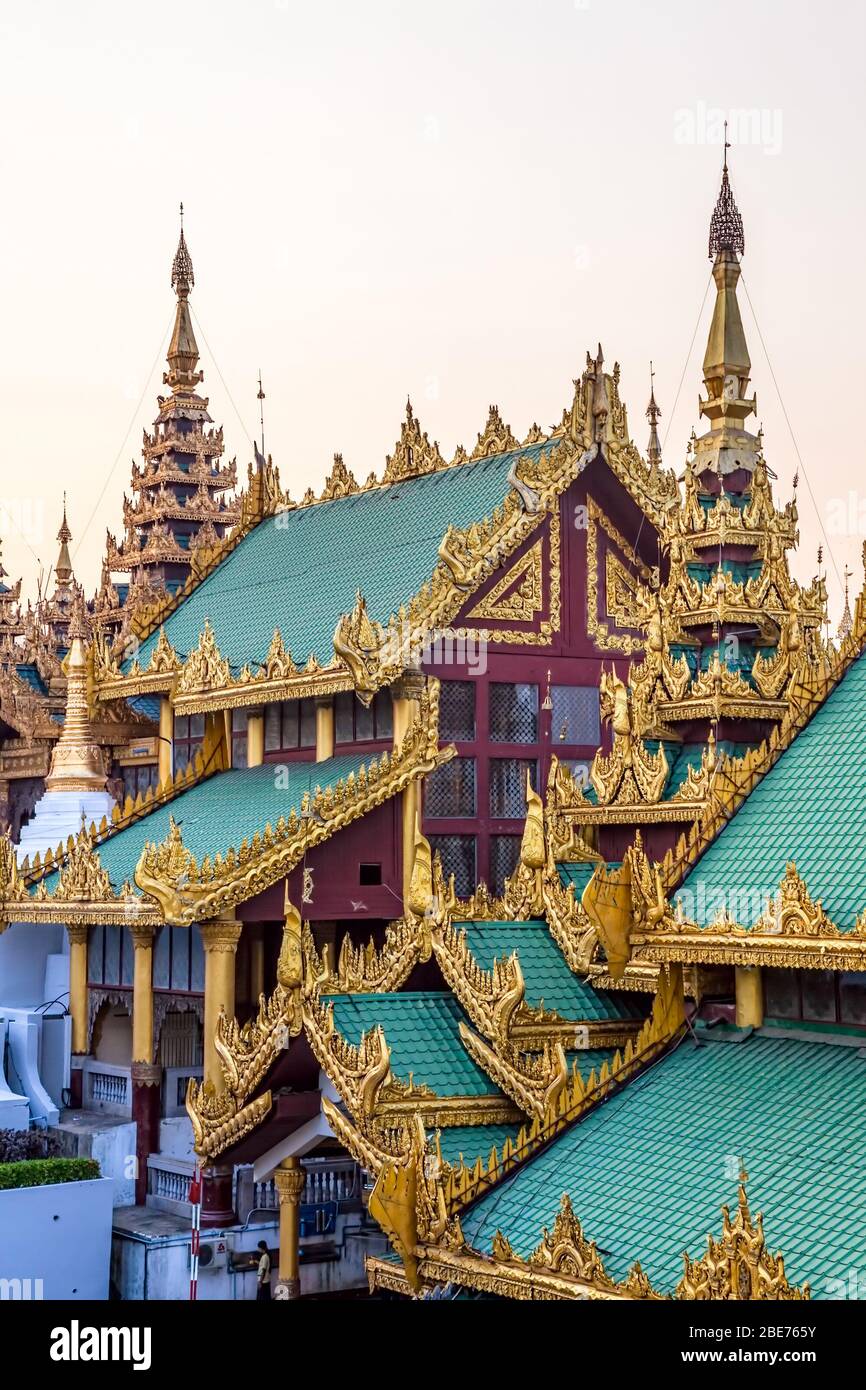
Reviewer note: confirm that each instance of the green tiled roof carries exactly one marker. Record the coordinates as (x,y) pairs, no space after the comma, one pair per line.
(474,1141)
(589,1059)
(422,1033)
(578,874)
(691,755)
(792,1111)
(221,811)
(546,972)
(810,807)
(299,570)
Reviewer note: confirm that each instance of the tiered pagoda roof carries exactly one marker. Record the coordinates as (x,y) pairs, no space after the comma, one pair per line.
(178,505)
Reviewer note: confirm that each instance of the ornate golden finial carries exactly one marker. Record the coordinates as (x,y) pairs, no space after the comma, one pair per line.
(77,621)
(727,447)
(726,224)
(183,349)
(846,623)
(63,568)
(653,415)
(182,277)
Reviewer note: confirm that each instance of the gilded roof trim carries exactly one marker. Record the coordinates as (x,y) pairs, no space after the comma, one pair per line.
(180,890)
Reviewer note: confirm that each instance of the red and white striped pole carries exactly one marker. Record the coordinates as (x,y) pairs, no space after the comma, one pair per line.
(195,1199)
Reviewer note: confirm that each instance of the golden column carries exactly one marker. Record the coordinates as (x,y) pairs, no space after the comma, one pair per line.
(255,737)
(220,939)
(324,727)
(749,986)
(78,986)
(166,738)
(406,695)
(142,992)
(289,1180)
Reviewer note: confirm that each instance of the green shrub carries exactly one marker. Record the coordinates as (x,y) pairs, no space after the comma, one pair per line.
(37,1172)
(16,1144)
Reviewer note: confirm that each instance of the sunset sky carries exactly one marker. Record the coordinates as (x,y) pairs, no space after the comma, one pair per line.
(450,200)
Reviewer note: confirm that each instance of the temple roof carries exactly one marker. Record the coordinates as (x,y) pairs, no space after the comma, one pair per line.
(805,809)
(546,973)
(199,849)
(776,1105)
(300,570)
(222,810)
(469,1142)
(422,1031)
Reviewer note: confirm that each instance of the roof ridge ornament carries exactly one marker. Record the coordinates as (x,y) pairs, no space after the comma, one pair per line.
(726,223)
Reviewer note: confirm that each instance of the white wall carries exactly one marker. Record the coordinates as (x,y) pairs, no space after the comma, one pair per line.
(60,1234)
(24,953)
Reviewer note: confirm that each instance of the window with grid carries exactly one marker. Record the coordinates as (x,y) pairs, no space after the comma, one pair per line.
(508,786)
(457,853)
(513,713)
(575,716)
(457,711)
(355,722)
(450,790)
(290,724)
(504,854)
(137,779)
(188,738)
(239,738)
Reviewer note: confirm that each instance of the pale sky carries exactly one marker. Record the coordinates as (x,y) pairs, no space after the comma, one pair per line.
(451,200)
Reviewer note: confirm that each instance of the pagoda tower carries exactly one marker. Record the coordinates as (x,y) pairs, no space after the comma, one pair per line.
(178,500)
(731,637)
(729,608)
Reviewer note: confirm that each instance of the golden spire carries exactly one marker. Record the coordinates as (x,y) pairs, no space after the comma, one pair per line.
(63,568)
(847,622)
(653,415)
(727,365)
(76,759)
(183,348)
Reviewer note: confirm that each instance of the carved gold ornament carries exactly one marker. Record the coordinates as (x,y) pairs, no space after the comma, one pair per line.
(598,629)
(414,454)
(738,1266)
(519,595)
(496,437)
(363,646)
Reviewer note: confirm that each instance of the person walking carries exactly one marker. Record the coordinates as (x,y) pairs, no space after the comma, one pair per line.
(263,1278)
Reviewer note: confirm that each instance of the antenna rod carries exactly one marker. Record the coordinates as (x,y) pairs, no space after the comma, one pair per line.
(261,399)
